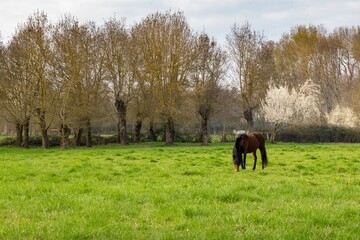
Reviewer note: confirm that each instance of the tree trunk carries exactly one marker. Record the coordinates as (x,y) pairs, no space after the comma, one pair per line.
(77,137)
(43,129)
(204,111)
(121,126)
(274,132)
(248,114)
(204,130)
(19,134)
(138,126)
(170,131)
(272,137)
(26,133)
(152,136)
(118,129)
(223,136)
(88,133)
(65,133)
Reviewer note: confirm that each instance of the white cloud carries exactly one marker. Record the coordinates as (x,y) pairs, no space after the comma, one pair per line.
(215,17)
(276,16)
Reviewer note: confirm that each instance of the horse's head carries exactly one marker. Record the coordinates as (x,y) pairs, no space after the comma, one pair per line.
(237,150)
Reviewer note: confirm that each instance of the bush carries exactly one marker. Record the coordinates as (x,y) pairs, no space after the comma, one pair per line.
(35,140)
(319,133)
(7,141)
(54,140)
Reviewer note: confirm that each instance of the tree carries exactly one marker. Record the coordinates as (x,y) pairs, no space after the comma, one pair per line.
(343,116)
(66,39)
(3,71)
(227,111)
(80,72)
(37,51)
(252,66)
(308,52)
(283,107)
(208,71)
(165,46)
(119,76)
(16,87)
(90,90)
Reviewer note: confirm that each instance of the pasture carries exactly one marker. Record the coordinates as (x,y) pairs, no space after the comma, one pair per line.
(186,191)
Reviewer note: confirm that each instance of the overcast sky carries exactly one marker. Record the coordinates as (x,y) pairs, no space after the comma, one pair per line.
(215,17)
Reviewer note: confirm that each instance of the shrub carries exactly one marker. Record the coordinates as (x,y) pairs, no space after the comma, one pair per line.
(319,133)
(7,141)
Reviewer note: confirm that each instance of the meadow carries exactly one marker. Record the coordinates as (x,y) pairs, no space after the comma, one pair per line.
(185,191)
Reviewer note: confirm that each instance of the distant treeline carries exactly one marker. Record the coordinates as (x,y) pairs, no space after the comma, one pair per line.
(160,75)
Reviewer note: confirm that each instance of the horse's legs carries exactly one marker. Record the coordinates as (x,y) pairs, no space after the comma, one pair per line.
(255,158)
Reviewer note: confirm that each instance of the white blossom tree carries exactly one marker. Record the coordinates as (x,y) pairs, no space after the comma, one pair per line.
(283,107)
(343,116)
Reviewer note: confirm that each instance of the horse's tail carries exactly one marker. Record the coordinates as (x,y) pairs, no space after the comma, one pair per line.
(264,157)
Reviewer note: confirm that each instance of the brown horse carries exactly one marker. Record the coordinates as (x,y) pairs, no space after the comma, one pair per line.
(249,143)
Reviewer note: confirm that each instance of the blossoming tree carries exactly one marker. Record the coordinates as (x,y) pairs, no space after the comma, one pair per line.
(283,107)
(343,116)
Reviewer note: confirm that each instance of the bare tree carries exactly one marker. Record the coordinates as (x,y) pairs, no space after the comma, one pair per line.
(16,88)
(80,71)
(36,44)
(355,101)
(91,86)
(67,62)
(252,66)
(208,71)
(119,75)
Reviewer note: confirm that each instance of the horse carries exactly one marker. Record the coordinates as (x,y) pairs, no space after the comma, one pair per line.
(249,143)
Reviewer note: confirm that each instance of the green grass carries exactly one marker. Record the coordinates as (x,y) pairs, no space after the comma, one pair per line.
(150,191)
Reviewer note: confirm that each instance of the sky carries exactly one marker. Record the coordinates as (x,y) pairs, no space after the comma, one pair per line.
(273,18)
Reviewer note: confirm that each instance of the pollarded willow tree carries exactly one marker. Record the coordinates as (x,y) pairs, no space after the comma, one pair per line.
(165,47)
(67,65)
(26,80)
(16,86)
(91,87)
(284,107)
(68,39)
(79,72)
(36,46)
(209,69)
(119,74)
(252,67)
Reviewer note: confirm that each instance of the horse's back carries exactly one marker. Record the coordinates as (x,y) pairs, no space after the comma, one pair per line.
(254,142)
(260,138)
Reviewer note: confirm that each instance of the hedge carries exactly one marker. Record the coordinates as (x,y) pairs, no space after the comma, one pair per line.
(319,134)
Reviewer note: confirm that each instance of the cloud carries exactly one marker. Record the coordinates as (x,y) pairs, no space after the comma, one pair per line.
(213,16)
(276,16)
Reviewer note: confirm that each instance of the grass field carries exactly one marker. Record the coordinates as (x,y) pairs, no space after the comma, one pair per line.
(150,191)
